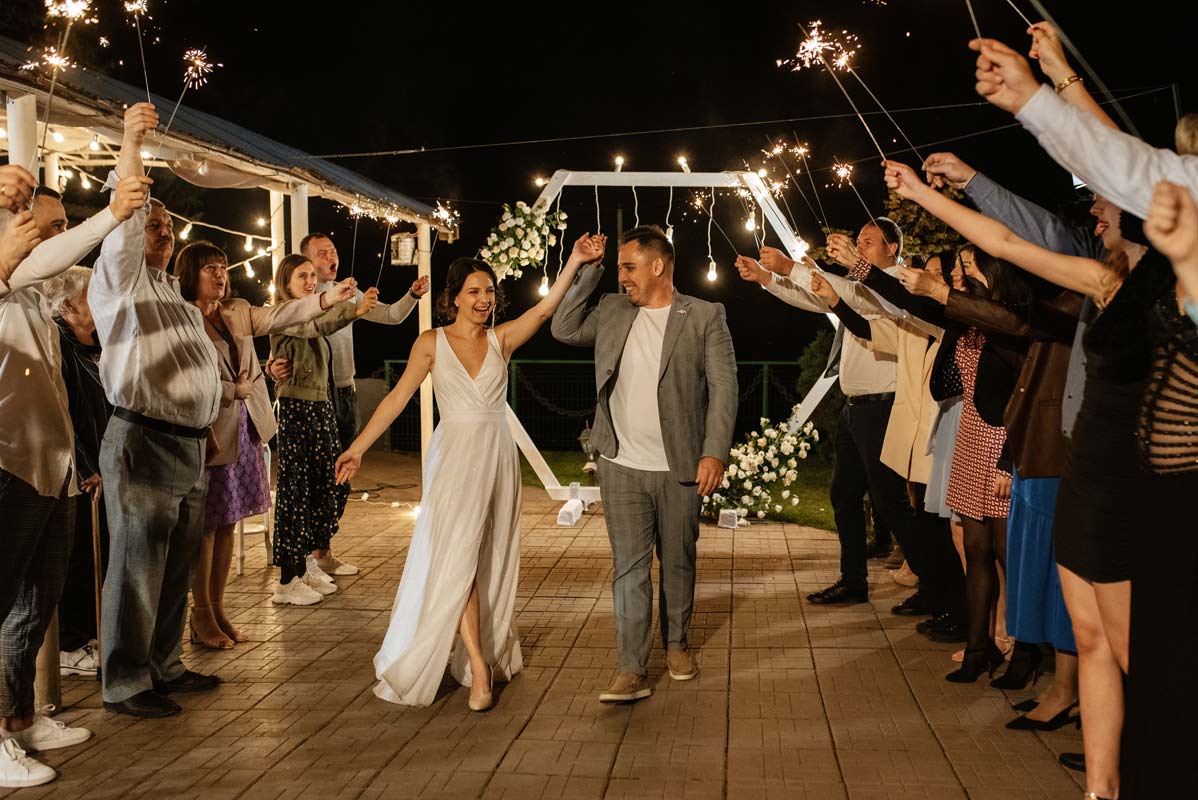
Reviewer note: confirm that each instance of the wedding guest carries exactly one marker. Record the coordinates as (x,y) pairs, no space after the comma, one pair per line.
(868,381)
(309,501)
(238,483)
(915,344)
(162,377)
(66,295)
(320,250)
(38,479)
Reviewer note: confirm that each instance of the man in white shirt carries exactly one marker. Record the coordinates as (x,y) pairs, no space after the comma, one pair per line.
(320,250)
(666,378)
(161,374)
(37,469)
(868,379)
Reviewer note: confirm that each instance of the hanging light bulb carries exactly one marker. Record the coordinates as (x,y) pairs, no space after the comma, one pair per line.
(416,511)
(183,234)
(750,224)
(261,252)
(249,243)
(711,273)
(670,234)
(539,181)
(543,290)
(761,173)
(619,163)
(84,182)
(261,222)
(249,270)
(682,162)
(94,144)
(57,136)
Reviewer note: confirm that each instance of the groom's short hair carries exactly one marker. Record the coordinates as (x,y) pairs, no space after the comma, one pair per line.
(651,237)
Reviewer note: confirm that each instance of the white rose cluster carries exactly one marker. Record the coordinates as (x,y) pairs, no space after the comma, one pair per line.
(761,471)
(522,238)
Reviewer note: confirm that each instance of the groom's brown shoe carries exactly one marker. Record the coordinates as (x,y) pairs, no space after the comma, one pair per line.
(625,688)
(680,664)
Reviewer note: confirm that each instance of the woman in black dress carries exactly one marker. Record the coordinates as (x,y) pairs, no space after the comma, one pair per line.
(1108,497)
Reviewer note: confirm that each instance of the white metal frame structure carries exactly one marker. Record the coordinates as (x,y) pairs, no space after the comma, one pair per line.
(678,180)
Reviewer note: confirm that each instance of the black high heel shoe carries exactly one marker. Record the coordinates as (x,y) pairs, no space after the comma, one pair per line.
(1026,665)
(983,659)
(1059,721)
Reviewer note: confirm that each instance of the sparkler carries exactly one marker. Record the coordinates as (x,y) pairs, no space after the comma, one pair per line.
(391,220)
(801,150)
(196,70)
(973,18)
(136,8)
(55,57)
(816,47)
(844,174)
(1022,16)
(777,187)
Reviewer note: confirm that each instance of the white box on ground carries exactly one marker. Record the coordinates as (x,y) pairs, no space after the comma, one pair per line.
(570,513)
(729,518)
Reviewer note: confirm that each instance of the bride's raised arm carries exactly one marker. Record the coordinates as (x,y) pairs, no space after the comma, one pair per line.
(420,363)
(588,249)
(1085,275)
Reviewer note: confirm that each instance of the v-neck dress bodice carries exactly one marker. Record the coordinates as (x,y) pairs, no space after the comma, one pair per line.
(468,530)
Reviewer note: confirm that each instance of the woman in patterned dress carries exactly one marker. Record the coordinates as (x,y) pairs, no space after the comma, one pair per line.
(238,484)
(308,501)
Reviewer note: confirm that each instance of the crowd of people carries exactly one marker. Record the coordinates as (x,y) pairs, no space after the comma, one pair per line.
(1022,409)
(1038,387)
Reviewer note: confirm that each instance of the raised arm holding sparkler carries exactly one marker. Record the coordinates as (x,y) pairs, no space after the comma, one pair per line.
(1084,275)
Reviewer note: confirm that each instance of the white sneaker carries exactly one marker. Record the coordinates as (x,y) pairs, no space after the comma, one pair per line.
(314,569)
(79,662)
(49,734)
(18,770)
(335,566)
(313,582)
(295,593)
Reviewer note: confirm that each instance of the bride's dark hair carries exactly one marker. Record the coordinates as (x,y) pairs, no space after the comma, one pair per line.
(459,270)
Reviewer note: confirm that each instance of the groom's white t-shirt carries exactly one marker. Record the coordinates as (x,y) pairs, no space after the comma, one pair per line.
(633,400)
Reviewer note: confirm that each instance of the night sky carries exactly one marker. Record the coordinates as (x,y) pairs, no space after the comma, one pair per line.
(350,77)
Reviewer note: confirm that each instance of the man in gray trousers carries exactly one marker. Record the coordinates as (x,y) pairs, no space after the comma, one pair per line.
(666,391)
(161,374)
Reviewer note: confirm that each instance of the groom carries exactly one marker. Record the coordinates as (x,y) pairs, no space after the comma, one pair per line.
(666,380)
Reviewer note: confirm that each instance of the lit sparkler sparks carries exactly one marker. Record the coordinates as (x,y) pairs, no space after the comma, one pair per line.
(823,49)
(137,7)
(50,57)
(843,173)
(198,68)
(446,215)
(73,10)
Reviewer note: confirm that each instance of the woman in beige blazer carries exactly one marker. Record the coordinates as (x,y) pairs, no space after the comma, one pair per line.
(238,483)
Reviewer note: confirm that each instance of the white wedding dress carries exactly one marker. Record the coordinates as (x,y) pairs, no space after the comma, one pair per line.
(468,529)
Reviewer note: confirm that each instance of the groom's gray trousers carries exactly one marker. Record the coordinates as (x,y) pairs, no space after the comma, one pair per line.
(647,512)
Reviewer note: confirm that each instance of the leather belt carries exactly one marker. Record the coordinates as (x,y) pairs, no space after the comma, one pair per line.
(159,425)
(864,399)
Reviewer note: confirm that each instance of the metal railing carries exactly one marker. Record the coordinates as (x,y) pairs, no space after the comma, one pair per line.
(555,398)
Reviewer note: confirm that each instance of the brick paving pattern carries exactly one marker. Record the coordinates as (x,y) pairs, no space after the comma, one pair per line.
(792,700)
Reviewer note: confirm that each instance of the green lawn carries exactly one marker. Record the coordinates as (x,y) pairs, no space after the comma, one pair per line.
(815,476)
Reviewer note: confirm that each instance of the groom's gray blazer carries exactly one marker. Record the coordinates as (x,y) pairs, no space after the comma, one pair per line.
(696,390)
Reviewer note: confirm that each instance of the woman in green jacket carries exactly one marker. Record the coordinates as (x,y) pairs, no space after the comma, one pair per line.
(308,501)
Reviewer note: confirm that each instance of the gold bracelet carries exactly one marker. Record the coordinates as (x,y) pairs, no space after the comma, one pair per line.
(1065,84)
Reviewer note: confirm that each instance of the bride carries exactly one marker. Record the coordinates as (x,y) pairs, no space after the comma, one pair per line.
(457,596)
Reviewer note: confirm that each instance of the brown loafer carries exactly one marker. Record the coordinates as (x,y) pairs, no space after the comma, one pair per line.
(680,664)
(626,687)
